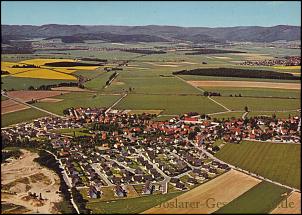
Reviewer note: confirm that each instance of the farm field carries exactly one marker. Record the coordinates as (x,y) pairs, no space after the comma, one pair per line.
(278,162)
(18,83)
(259,104)
(80,99)
(282,114)
(156,85)
(255,92)
(208,195)
(9,106)
(131,205)
(291,205)
(171,104)
(213,78)
(20,116)
(262,198)
(246,84)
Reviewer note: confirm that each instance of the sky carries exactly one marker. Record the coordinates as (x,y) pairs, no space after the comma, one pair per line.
(132,13)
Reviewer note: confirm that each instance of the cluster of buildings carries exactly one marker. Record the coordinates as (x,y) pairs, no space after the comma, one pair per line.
(123,149)
(286,61)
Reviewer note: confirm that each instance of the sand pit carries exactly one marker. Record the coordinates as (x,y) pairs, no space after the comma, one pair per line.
(292,205)
(245,84)
(209,197)
(23,175)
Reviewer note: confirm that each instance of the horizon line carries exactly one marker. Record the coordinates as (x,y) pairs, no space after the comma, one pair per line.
(164,25)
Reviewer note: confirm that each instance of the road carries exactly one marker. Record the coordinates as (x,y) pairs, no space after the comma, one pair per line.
(115,103)
(166,178)
(219,104)
(32,106)
(96,167)
(67,181)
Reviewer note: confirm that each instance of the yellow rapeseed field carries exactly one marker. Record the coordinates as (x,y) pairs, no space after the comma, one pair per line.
(41,62)
(45,74)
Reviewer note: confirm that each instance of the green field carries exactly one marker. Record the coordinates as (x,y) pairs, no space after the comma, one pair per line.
(259,104)
(278,162)
(20,116)
(82,99)
(132,205)
(257,92)
(282,115)
(16,83)
(170,104)
(260,199)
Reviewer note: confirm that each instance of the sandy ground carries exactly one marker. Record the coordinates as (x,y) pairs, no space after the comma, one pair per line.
(292,86)
(9,106)
(24,175)
(292,205)
(210,196)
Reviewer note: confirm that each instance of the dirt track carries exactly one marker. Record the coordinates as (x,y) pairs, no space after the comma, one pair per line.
(252,84)
(209,197)
(292,205)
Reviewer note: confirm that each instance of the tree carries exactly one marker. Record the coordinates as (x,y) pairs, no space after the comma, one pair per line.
(31,88)
(206,93)
(246,109)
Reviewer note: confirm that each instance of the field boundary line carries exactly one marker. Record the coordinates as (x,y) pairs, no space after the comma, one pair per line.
(219,104)
(115,103)
(199,89)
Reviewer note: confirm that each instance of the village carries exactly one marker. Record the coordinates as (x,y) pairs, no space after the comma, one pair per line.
(121,151)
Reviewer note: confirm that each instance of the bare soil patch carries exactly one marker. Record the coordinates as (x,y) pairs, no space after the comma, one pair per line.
(292,205)
(50,100)
(273,85)
(209,197)
(69,89)
(9,106)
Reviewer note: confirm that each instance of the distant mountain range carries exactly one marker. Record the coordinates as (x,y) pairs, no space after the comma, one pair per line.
(151,33)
